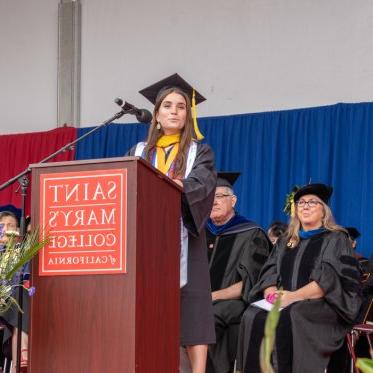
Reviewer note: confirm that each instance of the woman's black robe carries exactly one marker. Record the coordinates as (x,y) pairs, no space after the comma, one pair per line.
(197,321)
(311,330)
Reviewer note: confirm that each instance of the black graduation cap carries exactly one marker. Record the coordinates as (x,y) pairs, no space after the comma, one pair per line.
(173,81)
(322,191)
(227,179)
(353,232)
(11,208)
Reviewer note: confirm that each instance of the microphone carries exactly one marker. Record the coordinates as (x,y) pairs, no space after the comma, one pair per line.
(142,115)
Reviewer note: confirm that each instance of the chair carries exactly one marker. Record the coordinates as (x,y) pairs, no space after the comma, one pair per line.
(356,332)
(364,328)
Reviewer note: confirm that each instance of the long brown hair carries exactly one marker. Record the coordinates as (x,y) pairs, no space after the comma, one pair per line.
(186,133)
(295,225)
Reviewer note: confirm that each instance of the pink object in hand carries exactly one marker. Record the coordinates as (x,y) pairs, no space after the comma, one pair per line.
(271,297)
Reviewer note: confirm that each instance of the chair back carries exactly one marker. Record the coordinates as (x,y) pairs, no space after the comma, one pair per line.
(366,310)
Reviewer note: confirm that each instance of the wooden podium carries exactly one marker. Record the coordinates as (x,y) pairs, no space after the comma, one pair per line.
(123,322)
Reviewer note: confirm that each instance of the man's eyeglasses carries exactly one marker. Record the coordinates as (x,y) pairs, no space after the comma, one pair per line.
(221,195)
(311,203)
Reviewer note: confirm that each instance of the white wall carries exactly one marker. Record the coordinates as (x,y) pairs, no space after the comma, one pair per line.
(28,65)
(243,55)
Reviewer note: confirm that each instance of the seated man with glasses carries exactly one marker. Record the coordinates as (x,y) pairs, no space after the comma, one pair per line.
(237,249)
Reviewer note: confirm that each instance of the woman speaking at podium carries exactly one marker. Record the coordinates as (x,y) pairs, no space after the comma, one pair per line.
(173,147)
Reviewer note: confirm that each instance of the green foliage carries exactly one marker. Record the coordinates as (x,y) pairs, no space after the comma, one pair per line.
(289,202)
(268,341)
(21,253)
(16,254)
(365,365)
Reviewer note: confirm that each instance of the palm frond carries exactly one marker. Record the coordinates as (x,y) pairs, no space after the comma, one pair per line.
(16,253)
(268,341)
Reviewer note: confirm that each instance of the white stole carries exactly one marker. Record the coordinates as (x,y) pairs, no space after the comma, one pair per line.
(192,153)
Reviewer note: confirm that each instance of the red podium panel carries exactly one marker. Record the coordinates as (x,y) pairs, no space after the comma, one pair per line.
(121,322)
(84,215)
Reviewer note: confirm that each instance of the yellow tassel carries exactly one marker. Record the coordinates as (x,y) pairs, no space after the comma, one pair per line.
(194,116)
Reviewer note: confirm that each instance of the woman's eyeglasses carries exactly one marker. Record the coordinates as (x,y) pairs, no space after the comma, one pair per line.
(311,203)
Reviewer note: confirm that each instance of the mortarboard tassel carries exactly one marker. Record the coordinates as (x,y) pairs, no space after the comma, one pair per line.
(194,116)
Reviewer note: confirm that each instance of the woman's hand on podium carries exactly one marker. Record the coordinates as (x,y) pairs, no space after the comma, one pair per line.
(178,182)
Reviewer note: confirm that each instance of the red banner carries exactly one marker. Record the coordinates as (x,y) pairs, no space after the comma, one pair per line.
(84,214)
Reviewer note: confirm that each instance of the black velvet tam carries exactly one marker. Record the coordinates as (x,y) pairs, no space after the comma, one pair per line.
(322,191)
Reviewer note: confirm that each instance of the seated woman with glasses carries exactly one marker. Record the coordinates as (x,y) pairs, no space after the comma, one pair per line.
(314,272)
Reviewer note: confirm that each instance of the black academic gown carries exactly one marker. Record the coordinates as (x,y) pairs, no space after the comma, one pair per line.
(309,331)
(10,317)
(197,323)
(237,254)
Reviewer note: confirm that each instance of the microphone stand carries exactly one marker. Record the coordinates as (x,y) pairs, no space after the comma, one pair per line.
(23,184)
(23,180)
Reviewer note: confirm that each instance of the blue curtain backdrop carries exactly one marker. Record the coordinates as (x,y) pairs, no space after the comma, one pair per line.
(275,151)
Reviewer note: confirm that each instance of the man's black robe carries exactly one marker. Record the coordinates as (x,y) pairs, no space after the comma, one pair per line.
(236,254)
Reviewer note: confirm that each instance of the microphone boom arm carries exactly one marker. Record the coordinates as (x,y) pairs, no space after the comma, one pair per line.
(66,147)
(142,115)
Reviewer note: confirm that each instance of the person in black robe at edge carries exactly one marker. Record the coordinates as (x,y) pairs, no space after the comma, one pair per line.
(9,220)
(237,250)
(314,270)
(341,361)
(173,147)
(366,312)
